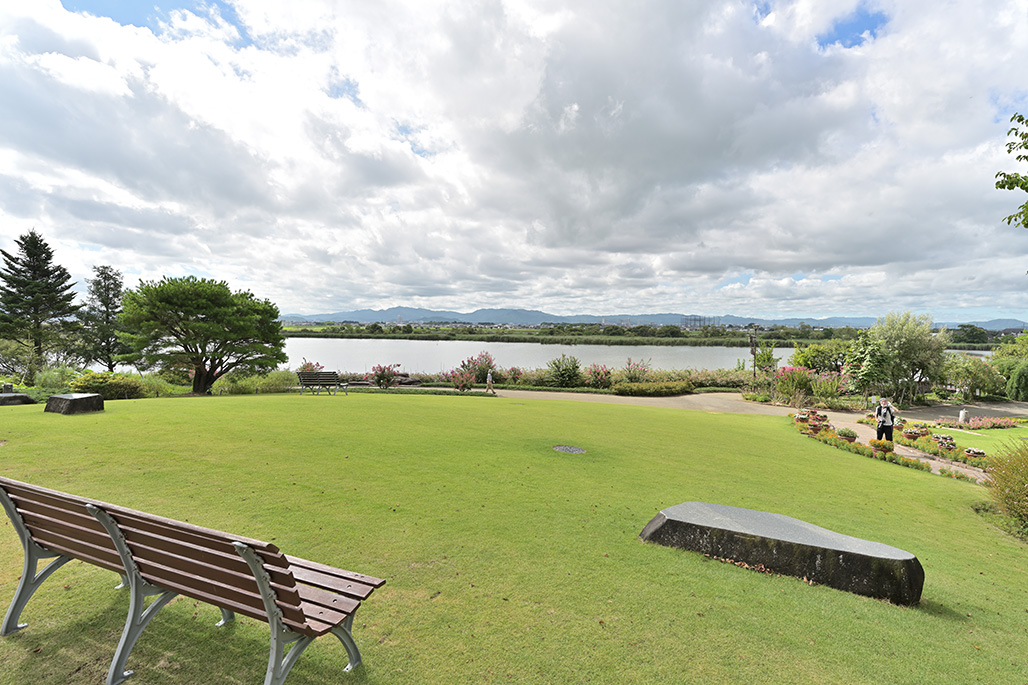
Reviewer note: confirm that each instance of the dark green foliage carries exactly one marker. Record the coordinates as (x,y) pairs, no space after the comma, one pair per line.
(36,300)
(111,386)
(969,333)
(1017,386)
(202,325)
(99,318)
(1014,181)
(822,357)
(660,389)
(564,372)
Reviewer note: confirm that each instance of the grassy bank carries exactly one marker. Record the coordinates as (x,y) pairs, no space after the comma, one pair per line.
(505,559)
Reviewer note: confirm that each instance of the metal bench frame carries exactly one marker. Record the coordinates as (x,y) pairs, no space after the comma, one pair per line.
(316,380)
(280,661)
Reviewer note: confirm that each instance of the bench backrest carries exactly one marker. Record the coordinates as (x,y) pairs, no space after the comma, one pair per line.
(318,376)
(200,563)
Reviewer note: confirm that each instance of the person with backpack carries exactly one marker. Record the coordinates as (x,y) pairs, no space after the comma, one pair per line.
(885,415)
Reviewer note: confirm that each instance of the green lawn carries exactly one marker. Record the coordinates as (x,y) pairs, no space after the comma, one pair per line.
(506,560)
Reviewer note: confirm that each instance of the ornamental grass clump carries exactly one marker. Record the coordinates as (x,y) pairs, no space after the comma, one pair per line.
(1008,473)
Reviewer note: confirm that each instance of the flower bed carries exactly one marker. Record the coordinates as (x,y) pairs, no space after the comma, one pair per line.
(981,423)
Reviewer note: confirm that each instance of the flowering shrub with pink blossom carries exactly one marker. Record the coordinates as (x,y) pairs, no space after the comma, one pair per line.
(979,423)
(384,375)
(307,366)
(480,366)
(828,385)
(462,379)
(793,383)
(598,376)
(634,372)
(514,374)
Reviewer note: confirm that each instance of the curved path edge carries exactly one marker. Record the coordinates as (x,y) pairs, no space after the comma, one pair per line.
(733,403)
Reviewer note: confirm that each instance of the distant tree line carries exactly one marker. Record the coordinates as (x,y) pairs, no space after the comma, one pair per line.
(195,327)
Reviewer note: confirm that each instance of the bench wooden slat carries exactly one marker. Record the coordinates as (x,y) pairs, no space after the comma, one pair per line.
(82,555)
(200,563)
(326,606)
(297,562)
(175,581)
(217,594)
(335,584)
(55,541)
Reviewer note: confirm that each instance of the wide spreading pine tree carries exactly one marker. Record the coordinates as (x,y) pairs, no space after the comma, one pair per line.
(36,299)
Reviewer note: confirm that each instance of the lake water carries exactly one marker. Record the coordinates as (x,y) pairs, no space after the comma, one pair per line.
(434,356)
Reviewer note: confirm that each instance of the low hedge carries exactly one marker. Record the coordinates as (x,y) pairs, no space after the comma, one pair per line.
(667,389)
(110,386)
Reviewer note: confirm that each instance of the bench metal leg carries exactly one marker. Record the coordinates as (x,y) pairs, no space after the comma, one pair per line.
(135,624)
(280,663)
(29,583)
(345,634)
(30,579)
(139,615)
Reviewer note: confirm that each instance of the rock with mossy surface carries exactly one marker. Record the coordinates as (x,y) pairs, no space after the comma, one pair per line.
(791,547)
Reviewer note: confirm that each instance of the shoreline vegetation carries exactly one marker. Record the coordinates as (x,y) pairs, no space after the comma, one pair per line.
(541,337)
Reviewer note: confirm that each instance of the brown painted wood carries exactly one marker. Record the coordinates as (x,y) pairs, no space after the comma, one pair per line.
(197,562)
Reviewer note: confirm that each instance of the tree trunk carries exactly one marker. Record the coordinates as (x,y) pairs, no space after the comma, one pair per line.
(202,381)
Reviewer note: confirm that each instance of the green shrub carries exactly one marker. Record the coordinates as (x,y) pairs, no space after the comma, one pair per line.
(1008,471)
(57,379)
(158,386)
(634,372)
(564,372)
(664,389)
(1017,386)
(241,384)
(110,386)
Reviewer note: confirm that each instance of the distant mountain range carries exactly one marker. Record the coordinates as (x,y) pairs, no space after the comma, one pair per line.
(528,317)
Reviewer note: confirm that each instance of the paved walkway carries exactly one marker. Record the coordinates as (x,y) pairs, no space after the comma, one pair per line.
(733,403)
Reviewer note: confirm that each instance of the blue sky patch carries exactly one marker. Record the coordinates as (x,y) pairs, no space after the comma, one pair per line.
(150,14)
(849,31)
(741,278)
(346,88)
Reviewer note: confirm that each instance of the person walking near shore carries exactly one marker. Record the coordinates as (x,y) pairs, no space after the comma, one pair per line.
(885,415)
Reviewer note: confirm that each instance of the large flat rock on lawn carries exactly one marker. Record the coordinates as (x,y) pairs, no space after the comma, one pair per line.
(75,403)
(791,547)
(11,398)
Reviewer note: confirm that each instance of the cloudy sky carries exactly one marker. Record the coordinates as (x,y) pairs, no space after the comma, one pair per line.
(768,158)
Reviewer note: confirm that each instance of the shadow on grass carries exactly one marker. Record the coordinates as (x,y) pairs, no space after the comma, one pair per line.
(181,645)
(939,610)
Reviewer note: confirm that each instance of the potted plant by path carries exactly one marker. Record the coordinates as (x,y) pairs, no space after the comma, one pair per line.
(847,434)
(881,448)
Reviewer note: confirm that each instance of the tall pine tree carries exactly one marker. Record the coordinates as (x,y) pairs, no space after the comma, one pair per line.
(36,300)
(100,324)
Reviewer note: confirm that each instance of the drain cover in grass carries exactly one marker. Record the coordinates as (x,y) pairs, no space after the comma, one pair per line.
(568,449)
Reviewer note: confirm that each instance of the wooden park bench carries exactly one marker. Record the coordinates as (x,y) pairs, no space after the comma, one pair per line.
(300,600)
(321,379)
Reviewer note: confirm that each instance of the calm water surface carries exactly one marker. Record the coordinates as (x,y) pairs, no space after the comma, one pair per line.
(435,356)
